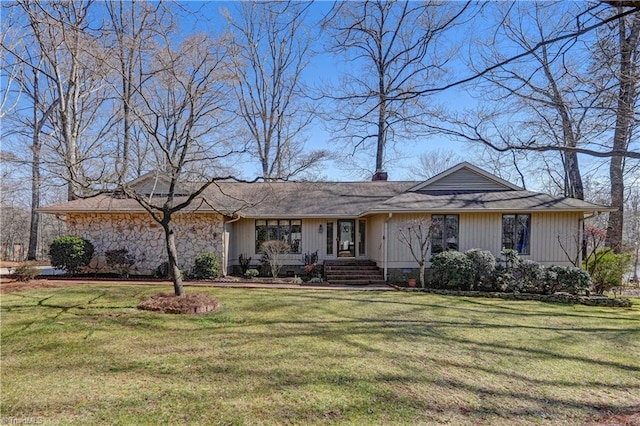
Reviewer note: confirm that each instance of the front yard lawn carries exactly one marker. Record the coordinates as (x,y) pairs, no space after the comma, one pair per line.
(86,355)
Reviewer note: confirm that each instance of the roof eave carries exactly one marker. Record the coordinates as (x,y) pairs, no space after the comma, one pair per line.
(492,210)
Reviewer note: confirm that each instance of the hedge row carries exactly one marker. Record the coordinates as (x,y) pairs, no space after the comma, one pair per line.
(570,299)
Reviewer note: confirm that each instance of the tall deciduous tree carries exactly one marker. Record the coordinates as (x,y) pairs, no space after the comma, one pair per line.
(129,32)
(34,103)
(271,51)
(181,108)
(625,54)
(394,49)
(67,44)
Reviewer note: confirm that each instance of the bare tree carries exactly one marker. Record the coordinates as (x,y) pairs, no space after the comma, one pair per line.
(32,114)
(415,234)
(129,32)
(435,162)
(272,50)
(626,57)
(274,252)
(182,110)
(67,44)
(395,49)
(547,98)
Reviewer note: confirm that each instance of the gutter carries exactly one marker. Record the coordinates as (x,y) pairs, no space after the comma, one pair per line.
(225,244)
(386,246)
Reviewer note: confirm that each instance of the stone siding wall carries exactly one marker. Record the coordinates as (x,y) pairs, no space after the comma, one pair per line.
(144,238)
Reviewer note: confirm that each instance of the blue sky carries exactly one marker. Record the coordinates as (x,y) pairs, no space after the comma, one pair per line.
(325,67)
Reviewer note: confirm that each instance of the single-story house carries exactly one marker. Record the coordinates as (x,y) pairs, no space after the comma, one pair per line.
(342,221)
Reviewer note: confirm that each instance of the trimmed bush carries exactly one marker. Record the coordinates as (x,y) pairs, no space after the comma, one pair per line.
(568,279)
(529,277)
(251,273)
(70,253)
(25,272)
(206,266)
(484,265)
(452,269)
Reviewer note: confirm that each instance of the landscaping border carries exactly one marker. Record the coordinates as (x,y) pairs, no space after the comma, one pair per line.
(568,299)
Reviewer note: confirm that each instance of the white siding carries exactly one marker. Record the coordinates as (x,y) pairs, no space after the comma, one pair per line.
(484,231)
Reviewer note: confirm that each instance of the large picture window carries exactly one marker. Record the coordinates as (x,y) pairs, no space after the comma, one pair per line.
(516,230)
(289,231)
(444,232)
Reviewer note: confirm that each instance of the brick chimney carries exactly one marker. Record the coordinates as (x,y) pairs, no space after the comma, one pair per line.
(379,175)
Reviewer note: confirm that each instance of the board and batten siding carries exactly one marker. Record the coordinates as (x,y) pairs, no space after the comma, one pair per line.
(549,231)
(484,231)
(375,240)
(466,179)
(399,255)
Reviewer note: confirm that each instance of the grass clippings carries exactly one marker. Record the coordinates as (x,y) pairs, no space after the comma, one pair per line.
(169,303)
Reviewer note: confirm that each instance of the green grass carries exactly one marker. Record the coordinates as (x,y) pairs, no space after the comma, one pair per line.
(86,355)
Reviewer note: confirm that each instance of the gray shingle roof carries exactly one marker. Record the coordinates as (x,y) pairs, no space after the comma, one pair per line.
(339,199)
(463,187)
(482,201)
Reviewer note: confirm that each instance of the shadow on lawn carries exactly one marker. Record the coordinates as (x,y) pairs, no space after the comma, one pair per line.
(516,309)
(308,353)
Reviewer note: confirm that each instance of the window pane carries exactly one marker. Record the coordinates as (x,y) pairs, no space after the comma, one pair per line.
(522,233)
(437,233)
(451,242)
(508,229)
(362,226)
(284,231)
(296,236)
(261,233)
(329,237)
(272,230)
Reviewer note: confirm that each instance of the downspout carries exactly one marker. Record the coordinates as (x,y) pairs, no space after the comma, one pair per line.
(225,244)
(386,246)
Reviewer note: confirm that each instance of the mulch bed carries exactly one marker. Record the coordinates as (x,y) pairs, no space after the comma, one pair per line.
(169,303)
(9,285)
(617,419)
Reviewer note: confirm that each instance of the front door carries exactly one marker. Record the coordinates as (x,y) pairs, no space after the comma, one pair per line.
(346,238)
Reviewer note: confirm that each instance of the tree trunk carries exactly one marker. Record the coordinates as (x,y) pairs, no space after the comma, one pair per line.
(621,136)
(35,174)
(35,197)
(382,131)
(422,283)
(172,253)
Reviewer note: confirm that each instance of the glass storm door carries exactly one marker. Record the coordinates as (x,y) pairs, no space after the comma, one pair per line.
(346,238)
